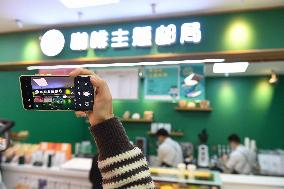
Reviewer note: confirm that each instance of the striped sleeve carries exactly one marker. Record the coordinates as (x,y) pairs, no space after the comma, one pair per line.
(121,164)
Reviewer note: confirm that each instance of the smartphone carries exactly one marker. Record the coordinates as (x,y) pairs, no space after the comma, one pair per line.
(57,93)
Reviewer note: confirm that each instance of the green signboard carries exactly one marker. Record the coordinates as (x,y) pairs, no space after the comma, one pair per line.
(179,35)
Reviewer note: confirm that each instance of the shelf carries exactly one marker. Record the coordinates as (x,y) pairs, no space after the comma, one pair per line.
(136,120)
(194,109)
(177,134)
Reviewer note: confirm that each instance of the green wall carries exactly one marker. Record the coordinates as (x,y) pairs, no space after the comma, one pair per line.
(220,32)
(248,106)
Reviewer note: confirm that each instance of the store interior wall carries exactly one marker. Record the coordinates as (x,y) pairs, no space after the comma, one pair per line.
(248,106)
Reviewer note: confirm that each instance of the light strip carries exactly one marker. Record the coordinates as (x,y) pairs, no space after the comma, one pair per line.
(124,64)
(235,67)
(211,60)
(53,67)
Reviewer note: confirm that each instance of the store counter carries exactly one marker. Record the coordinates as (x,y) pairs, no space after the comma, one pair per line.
(231,181)
(27,176)
(15,175)
(210,179)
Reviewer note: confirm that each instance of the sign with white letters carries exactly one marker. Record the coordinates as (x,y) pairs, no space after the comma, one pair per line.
(141,36)
(166,35)
(120,38)
(79,41)
(190,32)
(99,39)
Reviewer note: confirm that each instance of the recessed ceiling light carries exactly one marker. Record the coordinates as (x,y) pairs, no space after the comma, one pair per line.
(73,4)
(235,67)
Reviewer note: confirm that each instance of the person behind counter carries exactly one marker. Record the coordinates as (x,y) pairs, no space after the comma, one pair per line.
(239,159)
(121,164)
(169,151)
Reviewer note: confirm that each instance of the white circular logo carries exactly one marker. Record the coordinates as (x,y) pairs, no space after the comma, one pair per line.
(52,42)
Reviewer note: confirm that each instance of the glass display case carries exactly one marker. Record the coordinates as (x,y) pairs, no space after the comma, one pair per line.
(169,178)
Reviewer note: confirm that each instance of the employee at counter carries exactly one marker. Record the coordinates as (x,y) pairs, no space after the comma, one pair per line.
(169,151)
(239,161)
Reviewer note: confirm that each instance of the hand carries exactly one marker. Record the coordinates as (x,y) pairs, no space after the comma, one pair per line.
(102,109)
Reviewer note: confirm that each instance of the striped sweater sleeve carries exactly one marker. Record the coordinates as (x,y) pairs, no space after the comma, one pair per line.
(121,164)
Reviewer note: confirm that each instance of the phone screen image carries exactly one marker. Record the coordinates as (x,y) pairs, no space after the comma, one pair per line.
(57,93)
(53,93)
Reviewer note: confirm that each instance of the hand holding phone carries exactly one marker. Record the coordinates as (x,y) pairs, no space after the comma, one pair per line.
(57,93)
(67,93)
(102,103)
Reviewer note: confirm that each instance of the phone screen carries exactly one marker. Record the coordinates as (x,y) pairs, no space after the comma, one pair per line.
(57,93)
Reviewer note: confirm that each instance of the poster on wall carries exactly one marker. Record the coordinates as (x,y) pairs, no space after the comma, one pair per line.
(161,82)
(192,82)
(123,83)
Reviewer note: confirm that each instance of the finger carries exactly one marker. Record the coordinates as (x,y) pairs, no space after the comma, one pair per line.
(80,114)
(75,72)
(80,71)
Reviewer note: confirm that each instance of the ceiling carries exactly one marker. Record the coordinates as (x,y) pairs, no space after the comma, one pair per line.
(254,69)
(37,14)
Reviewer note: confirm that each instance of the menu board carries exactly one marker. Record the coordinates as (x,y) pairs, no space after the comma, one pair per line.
(123,84)
(192,82)
(186,81)
(161,82)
